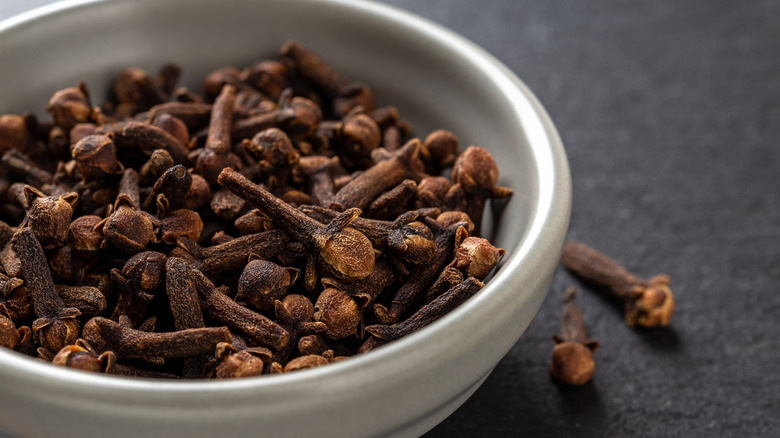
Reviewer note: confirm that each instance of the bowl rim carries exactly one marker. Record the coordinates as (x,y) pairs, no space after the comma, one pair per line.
(553,204)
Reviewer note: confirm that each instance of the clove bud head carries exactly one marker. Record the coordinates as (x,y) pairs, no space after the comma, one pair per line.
(572,362)
(263,282)
(57,334)
(304,362)
(83,239)
(413,243)
(9,334)
(348,255)
(130,230)
(70,106)
(95,157)
(80,358)
(49,216)
(338,311)
(476,257)
(235,363)
(651,306)
(13,133)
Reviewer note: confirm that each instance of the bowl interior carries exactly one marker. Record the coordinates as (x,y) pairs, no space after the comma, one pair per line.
(414,74)
(435,78)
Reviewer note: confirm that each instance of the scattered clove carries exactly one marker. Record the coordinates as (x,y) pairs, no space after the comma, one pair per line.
(647,303)
(572,357)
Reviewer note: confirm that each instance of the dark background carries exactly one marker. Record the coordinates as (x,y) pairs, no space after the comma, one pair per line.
(670,114)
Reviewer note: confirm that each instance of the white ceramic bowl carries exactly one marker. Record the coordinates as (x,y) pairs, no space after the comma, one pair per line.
(437,79)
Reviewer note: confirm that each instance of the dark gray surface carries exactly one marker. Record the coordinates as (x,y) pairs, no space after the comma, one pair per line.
(670,113)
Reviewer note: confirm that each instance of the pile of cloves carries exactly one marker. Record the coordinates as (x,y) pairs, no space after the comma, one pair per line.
(278,220)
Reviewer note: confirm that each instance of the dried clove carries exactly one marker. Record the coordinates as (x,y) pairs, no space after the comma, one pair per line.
(406,238)
(476,172)
(476,257)
(235,253)
(429,312)
(411,292)
(87,299)
(647,303)
(381,176)
(81,356)
(56,325)
(263,282)
(95,157)
(49,216)
(572,357)
(129,343)
(127,228)
(9,334)
(172,185)
(185,308)
(233,363)
(255,326)
(338,311)
(341,251)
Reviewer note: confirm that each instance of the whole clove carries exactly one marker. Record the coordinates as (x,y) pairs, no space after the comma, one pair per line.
(55,325)
(647,303)
(572,357)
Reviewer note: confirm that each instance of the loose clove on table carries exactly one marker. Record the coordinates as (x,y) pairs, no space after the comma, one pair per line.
(278,221)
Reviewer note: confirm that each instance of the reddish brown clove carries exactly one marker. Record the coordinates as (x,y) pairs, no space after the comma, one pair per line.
(14,133)
(305,362)
(385,174)
(648,303)
(185,307)
(10,336)
(95,157)
(234,254)
(128,228)
(430,312)
(71,106)
(56,325)
(81,356)
(255,326)
(476,172)
(263,282)
(216,155)
(411,292)
(572,357)
(49,216)
(338,311)
(341,251)
(137,137)
(235,363)
(476,257)
(405,237)
(129,343)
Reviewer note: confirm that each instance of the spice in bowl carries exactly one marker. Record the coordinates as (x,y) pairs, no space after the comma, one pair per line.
(277,221)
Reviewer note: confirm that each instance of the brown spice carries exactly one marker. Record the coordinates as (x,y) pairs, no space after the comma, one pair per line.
(430,312)
(572,357)
(647,303)
(340,250)
(56,325)
(128,343)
